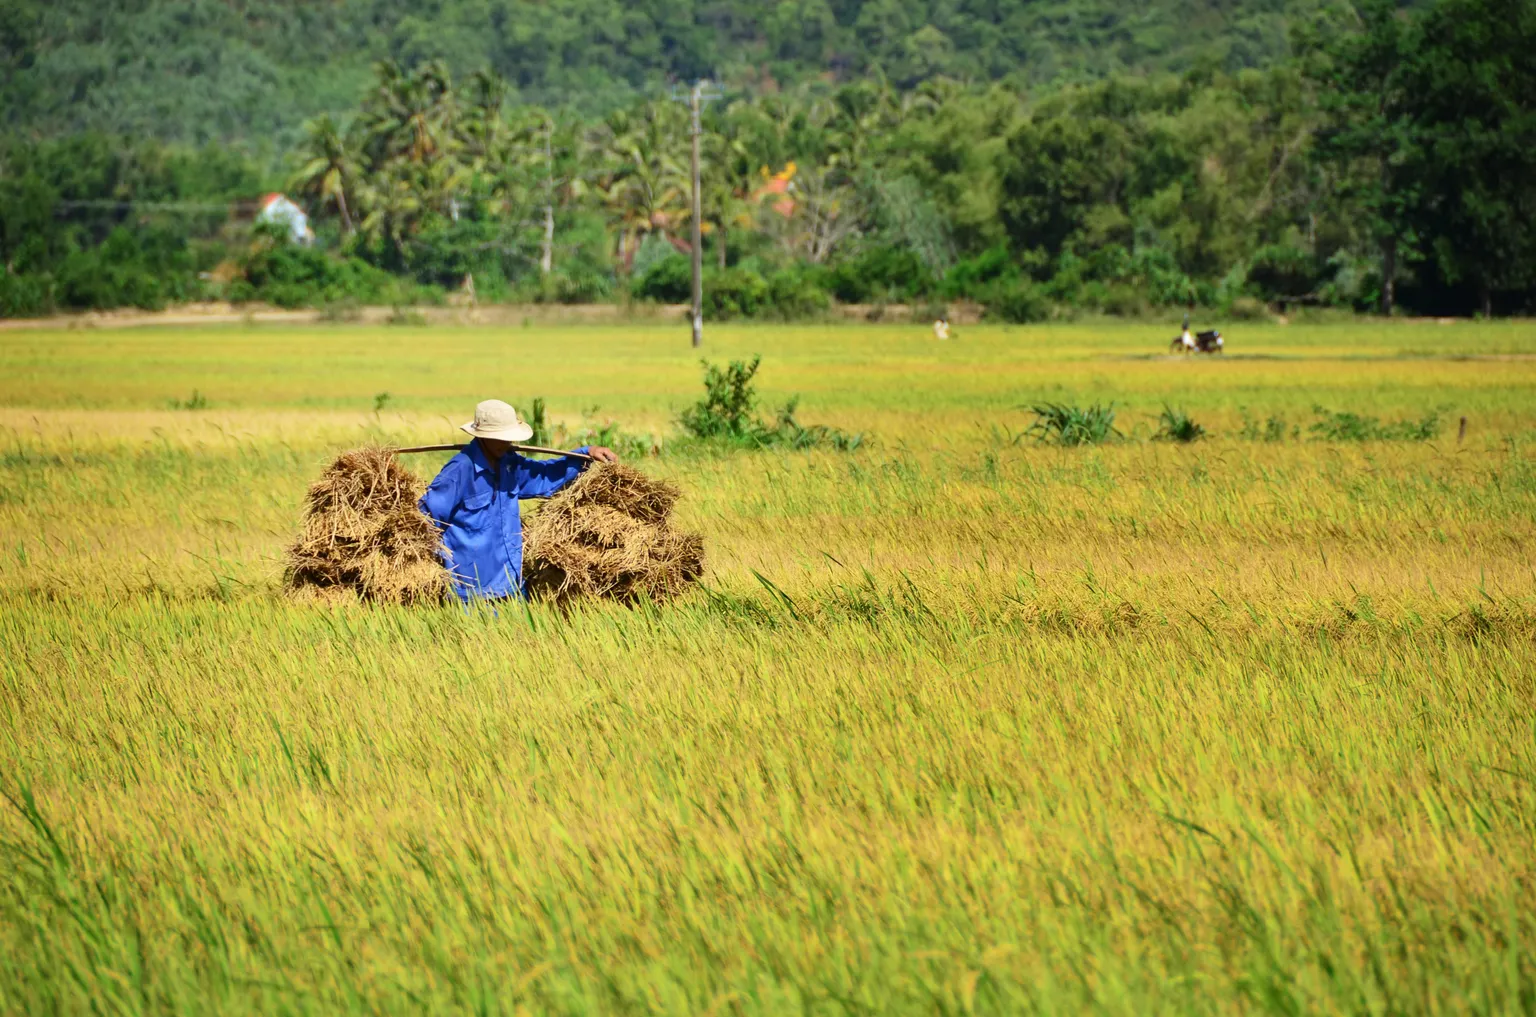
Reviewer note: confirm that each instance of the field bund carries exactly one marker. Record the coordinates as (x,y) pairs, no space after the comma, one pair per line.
(960,723)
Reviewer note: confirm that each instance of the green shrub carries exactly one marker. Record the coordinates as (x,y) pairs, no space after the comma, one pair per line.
(729,398)
(653,249)
(734,293)
(976,278)
(130,268)
(1064,424)
(1165,283)
(890,274)
(346,309)
(1176,425)
(1347,426)
(1280,270)
(447,250)
(581,284)
(668,281)
(796,293)
(25,295)
(1273,430)
(1125,300)
(1020,304)
(610,435)
(1248,309)
(725,415)
(288,275)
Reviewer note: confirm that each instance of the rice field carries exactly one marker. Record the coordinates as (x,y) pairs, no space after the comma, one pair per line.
(958,723)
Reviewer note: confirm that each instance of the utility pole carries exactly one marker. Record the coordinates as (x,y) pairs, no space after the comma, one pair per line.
(547,255)
(701,93)
(698,232)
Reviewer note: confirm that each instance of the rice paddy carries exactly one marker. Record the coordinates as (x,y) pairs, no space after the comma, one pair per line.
(957,722)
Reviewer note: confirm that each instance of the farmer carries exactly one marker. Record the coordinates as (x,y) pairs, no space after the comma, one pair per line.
(474,500)
(1186,337)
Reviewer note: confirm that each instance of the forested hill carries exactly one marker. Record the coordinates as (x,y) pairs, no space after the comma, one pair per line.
(195,70)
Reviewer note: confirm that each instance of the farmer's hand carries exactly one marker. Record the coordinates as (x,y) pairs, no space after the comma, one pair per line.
(603,454)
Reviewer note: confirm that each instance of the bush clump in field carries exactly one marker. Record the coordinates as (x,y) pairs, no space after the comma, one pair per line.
(364,534)
(1273,429)
(1176,425)
(1020,304)
(1062,424)
(1345,426)
(726,415)
(607,535)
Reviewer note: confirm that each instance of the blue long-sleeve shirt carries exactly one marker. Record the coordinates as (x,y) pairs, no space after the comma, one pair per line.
(476,506)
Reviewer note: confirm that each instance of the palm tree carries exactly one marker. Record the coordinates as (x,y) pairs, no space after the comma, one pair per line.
(400,195)
(394,205)
(644,185)
(481,126)
(535,157)
(727,185)
(409,116)
(329,170)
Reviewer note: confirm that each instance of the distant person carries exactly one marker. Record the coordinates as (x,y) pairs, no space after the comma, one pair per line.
(1186,337)
(474,497)
(941,328)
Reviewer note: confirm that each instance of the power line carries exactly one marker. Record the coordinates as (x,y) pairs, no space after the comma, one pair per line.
(157,206)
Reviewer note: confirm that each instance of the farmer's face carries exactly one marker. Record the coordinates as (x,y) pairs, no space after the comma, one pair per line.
(494,448)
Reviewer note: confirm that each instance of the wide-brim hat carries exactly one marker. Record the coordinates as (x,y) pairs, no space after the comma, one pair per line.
(498,421)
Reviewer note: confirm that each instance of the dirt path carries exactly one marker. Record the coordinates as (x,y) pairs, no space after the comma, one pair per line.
(229,314)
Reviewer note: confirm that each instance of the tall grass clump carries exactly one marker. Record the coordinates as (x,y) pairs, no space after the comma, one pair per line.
(1179,426)
(1063,424)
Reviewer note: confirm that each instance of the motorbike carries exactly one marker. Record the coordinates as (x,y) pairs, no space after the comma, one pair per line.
(1205,342)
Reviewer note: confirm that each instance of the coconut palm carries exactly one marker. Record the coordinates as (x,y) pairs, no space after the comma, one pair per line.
(401,195)
(531,162)
(726,186)
(409,116)
(481,126)
(393,207)
(329,170)
(644,186)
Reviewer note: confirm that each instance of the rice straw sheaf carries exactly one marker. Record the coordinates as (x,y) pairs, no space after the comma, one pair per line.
(364,535)
(607,535)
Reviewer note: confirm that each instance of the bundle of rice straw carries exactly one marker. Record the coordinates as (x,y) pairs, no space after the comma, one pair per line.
(607,535)
(363,534)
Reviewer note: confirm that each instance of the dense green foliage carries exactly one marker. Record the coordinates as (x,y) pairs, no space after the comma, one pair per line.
(1390,159)
(195,70)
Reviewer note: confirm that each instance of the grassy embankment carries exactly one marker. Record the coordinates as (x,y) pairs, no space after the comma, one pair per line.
(960,723)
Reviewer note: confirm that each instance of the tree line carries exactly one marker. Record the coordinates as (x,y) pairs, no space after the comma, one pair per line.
(1389,162)
(210,70)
